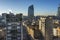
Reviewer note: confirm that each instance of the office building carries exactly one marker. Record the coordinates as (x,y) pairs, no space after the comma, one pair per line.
(31,11)
(58,11)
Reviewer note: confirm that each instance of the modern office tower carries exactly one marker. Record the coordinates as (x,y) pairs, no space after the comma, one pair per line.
(31,11)
(58,11)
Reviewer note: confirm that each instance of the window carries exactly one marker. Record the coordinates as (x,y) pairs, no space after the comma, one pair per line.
(8,31)
(19,38)
(8,34)
(8,38)
(18,27)
(9,23)
(9,27)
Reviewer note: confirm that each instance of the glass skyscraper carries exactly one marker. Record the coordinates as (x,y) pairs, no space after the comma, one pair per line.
(31,11)
(58,11)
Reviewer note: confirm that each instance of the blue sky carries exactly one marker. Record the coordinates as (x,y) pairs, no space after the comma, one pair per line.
(41,7)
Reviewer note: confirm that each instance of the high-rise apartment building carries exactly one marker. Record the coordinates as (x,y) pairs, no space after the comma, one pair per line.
(13,27)
(13,31)
(51,26)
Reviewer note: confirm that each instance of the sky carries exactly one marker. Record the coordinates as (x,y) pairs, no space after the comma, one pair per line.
(41,7)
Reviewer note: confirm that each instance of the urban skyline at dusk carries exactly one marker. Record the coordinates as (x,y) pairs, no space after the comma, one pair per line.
(41,7)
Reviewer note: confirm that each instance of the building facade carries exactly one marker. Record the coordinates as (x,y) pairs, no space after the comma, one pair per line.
(58,11)
(31,11)
(13,31)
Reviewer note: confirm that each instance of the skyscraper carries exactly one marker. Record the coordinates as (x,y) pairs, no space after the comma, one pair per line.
(58,11)
(31,11)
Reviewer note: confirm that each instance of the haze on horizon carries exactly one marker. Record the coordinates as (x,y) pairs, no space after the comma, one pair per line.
(41,7)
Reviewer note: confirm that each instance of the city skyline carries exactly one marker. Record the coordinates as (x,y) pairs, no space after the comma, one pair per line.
(41,7)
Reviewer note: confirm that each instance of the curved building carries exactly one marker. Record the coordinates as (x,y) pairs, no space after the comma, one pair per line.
(58,11)
(31,11)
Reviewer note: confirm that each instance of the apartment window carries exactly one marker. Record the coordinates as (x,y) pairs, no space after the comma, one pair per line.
(18,38)
(9,23)
(9,27)
(18,27)
(19,34)
(8,34)
(18,30)
(3,20)
(8,31)
(8,38)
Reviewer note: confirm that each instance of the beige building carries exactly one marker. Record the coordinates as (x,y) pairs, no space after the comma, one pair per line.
(51,23)
(47,25)
(56,31)
(42,25)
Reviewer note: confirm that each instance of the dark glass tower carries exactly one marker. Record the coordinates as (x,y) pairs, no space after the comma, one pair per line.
(31,11)
(58,11)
